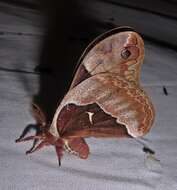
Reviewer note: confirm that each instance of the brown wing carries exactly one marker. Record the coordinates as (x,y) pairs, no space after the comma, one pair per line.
(122,102)
(82,73)
(88,118)
(86,121)
(120,52)
(97,132)
(75,122)
(91,52)
(114,67)
(102,125)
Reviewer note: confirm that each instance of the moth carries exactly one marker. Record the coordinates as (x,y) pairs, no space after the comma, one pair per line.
(105,99)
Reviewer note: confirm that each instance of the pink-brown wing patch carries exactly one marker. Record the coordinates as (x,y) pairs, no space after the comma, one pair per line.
(89,118)
(121,53)
(77,146)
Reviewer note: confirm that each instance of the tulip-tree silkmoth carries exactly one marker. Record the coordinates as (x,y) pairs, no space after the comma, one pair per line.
(105,98)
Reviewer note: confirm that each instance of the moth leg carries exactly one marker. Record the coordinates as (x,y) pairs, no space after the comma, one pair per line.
(38,147)
(26,130)
(77,146)
(59,151)
(35,137)
(34,144)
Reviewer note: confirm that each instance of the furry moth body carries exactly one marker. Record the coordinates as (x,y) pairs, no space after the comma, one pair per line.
(105,98)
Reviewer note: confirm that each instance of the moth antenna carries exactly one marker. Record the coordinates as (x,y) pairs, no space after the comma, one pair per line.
(25,131)
(33,137)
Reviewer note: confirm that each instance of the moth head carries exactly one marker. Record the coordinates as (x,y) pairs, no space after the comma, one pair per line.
(43,137)
(43,125)
(116,54)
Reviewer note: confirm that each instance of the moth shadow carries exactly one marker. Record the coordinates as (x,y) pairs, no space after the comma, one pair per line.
(93,175)
(69,31)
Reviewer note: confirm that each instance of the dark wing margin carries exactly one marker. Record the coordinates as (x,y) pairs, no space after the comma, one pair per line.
(97,132)
(81,75)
